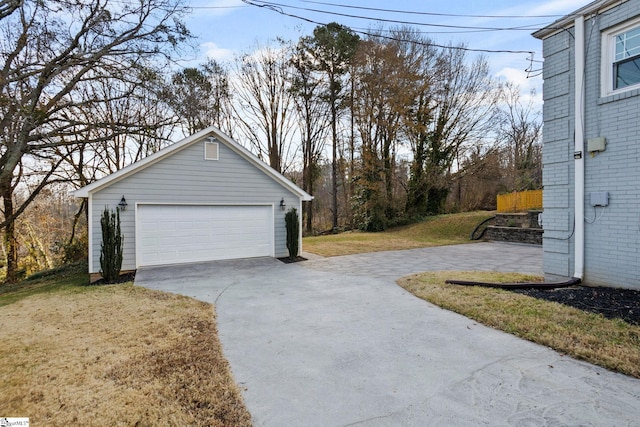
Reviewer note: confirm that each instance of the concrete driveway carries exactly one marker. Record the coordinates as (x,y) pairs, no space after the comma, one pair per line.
(335,342)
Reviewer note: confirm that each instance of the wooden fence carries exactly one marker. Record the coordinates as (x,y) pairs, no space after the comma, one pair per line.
(520,201)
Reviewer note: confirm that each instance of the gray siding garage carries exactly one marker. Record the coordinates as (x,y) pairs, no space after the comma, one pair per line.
(203,198)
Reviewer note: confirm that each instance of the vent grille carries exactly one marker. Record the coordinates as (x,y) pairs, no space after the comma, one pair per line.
(210,150)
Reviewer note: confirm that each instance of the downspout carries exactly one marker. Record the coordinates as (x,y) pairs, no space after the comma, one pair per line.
(90,232)
(578,153)
(301,225)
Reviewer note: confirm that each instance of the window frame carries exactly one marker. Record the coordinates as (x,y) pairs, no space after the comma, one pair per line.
(608,60)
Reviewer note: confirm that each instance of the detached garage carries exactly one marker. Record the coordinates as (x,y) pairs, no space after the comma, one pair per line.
(204,198)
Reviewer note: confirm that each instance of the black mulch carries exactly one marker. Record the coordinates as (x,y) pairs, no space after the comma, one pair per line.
(610,302)
(123,278)
(289,260)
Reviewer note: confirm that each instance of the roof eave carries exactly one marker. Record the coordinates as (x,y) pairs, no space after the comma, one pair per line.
(568,20)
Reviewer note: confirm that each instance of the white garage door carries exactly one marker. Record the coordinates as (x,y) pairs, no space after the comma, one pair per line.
(175,234)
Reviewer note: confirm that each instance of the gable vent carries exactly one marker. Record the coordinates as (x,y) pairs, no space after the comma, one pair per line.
(210,149)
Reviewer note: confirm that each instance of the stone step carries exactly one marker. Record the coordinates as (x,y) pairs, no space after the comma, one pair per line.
(529,219)
(514,234)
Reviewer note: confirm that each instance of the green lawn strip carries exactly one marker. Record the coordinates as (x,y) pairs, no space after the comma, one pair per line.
(612,344)
(71,278)
(437,230)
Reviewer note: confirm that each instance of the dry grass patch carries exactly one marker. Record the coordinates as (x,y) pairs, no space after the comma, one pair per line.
(435,231)
(119,354)
(613,344)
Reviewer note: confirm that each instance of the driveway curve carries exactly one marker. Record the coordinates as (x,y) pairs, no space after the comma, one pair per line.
(336,342)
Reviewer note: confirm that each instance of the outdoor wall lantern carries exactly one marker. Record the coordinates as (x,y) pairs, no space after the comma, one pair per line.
(283,205)
(123,204)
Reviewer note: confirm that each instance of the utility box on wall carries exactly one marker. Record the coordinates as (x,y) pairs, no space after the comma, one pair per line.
(596,145)
(600,198)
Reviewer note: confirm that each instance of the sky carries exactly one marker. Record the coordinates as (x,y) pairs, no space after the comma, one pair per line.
(229,27)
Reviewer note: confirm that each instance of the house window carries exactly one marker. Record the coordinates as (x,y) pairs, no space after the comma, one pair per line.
(626,65)
(621,58)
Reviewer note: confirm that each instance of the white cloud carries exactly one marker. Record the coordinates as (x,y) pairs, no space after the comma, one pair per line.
(213,51)
(519,77)
(516,76)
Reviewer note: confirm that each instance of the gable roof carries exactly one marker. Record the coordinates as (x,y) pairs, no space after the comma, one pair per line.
(567,21)
(211,131)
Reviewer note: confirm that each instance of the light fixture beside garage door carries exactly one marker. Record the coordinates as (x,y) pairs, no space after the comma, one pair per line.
(123,204)
(283,204)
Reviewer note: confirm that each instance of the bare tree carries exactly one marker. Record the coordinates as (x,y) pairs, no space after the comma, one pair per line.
(264,104)
(306,87)
(201,97)
(7,7)
(43,228)
(129,125)
(459,112)
(332,48)
(520,132)
(129,129)
(477,181)
(50,51)
(388,76)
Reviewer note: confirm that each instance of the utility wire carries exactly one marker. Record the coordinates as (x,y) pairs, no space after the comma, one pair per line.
(273,6)
(367,33)
(429,31)
(460,31)
(412,12)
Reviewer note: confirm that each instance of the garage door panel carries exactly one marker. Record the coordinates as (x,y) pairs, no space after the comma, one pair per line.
(173,234)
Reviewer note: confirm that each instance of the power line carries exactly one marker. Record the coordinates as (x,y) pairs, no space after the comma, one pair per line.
(279,10)
(425,32)
(413,12)
(274,6)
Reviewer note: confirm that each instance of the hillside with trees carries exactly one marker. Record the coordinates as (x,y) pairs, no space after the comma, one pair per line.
(382,130)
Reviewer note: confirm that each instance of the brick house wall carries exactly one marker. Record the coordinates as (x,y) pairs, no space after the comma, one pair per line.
(612,233)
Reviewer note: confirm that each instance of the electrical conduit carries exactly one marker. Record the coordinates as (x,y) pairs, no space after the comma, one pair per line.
(579,147)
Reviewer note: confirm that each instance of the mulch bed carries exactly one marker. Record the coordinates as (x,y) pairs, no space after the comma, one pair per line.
(123,278)
(612,303)
(289,260)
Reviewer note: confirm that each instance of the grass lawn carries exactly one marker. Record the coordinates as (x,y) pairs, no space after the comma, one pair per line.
(435,231)
(72,354)
(613,344)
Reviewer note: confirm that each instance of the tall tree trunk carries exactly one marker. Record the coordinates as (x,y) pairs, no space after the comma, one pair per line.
(82,210)
(10,242)
(388,172)
(309,207)
(310,166)
(334,164)
(352,147)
